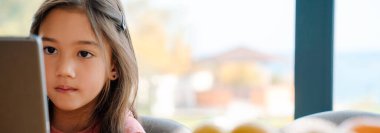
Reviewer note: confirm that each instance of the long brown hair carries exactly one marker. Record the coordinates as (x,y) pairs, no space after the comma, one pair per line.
(108,22)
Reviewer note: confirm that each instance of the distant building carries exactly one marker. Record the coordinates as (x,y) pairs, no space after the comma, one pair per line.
(239,74)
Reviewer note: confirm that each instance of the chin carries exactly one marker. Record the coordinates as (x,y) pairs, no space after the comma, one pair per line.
(66,106)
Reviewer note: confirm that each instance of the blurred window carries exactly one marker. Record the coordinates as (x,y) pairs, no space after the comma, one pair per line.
(357,55)
(217,62)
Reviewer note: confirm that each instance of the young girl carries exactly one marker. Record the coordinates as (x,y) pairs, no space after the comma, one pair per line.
(91,69)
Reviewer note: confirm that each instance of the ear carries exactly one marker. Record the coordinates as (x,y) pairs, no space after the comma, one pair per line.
(113,75)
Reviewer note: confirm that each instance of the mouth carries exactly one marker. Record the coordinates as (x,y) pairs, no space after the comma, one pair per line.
(65,89)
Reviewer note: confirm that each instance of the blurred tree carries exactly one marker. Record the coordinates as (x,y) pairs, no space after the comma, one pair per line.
(160,47)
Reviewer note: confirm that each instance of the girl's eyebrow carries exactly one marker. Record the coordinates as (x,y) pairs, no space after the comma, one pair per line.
(88,42)
(49,39)
(82,42)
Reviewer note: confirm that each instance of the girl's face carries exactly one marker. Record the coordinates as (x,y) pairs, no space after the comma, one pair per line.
(74,61)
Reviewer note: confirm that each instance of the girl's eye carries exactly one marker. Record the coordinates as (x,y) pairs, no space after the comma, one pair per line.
(85,54)
(50,50)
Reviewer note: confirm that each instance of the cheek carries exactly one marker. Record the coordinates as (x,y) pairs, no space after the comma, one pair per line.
(92,86)
(50,75)
(92,76)
(49,69)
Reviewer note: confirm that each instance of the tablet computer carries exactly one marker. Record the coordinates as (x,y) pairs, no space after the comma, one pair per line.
(23,98)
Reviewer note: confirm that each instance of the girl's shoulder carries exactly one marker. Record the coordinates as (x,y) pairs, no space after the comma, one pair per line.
(132,125)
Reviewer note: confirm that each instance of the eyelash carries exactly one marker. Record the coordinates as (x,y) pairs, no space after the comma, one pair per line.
(47,50)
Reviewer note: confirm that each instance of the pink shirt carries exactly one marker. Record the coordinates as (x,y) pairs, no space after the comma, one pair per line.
(131,126)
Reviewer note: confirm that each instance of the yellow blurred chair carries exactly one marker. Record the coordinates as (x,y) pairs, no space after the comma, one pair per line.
(207,128)
(249,128)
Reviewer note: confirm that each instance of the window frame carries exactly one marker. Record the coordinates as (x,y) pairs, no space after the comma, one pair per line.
(313,56)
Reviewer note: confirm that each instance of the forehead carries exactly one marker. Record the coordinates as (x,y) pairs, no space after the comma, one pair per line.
(67,25)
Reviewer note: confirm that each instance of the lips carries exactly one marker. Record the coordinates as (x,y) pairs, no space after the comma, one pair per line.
(65,89)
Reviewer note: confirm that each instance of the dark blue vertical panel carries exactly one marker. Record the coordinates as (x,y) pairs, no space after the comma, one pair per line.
(313,56)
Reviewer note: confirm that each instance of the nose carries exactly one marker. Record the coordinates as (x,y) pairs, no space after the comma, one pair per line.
(66,68)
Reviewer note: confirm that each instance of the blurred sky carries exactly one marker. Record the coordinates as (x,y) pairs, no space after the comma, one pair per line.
(268,25)
(357,26)
(215,26)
